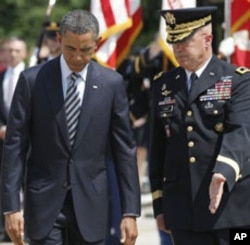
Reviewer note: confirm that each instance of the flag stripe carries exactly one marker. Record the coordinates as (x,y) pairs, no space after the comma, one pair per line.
(174,4)
(113,16)
(241,21)
(127,38)
(107,9)
(240,30)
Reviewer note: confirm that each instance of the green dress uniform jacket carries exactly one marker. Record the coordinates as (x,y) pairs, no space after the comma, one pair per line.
(194,134)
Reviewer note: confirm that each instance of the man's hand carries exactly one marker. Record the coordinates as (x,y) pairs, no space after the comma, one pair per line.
(14,225)
(139,122)
(129,231)
(2,132)
(160,223)
(216,191)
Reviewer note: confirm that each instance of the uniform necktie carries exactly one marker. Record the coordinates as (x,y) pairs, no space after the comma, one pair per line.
(72,107)
(193,77)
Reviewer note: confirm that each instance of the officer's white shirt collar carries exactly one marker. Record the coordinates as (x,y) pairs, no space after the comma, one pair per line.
(199,71)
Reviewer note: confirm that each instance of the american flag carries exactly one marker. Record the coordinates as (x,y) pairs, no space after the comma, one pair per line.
(240,30)
(120,23)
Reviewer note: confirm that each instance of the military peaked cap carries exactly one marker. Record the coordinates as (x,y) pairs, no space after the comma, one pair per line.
(182,23)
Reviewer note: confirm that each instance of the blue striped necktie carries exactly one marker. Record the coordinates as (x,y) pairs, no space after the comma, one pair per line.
(72,107)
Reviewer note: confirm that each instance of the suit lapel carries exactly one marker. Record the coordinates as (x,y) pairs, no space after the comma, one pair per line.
(53,83)
(92,89)
(182,88)
(176,84)
(3,118)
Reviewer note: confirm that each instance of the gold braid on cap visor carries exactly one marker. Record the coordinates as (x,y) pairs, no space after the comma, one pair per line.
(181,31)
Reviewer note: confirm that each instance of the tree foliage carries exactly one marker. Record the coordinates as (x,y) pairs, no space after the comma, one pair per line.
(25,18)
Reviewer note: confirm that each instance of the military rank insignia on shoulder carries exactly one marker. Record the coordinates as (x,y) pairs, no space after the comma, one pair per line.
(157,76)
(242,70)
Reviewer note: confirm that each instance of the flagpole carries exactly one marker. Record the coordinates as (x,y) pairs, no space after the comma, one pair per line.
(227,24)
(227,12)
(35,55)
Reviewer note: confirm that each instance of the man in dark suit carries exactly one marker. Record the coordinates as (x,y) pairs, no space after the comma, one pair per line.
(16,53)
(200,137)
(66,185)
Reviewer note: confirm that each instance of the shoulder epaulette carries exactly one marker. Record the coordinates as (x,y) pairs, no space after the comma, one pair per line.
(158,75)
(242,70)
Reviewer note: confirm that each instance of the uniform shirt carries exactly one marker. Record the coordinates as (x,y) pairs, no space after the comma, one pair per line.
(198,73)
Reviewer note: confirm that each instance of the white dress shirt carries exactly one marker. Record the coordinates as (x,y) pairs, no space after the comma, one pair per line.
(80,82)
(9,84)
(197,72)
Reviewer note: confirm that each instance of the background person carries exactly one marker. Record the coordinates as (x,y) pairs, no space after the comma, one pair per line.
(15,54)
(66,185)
(152,61)
(51,46)
(138,97)
(199,143)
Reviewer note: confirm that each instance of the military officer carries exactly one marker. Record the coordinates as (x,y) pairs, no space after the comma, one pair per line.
(51,47)
(199,165)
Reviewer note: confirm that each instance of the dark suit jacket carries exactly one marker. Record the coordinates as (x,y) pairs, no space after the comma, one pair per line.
(3,121)
(193,136)
(38,121)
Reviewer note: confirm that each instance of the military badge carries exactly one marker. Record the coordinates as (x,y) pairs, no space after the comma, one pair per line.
(157,75)
(170,19)
(166,92)
(209,105)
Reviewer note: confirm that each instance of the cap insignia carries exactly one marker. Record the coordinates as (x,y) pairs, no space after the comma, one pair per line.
(170,19)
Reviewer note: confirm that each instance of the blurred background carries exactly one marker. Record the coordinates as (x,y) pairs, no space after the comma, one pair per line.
(25,18)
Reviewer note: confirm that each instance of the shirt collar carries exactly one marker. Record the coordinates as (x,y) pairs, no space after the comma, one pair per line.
(200,70)
(66,72)
(17,69)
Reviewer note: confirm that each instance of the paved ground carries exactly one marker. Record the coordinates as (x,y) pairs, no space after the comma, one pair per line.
(148,234)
